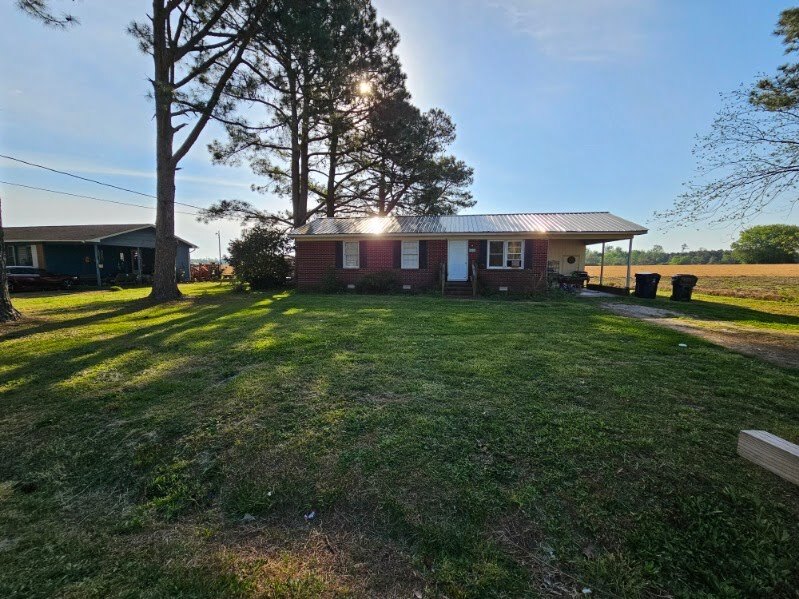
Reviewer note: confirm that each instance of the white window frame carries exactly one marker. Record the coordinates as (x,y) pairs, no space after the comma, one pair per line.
(412,255)
(504,243)
(34,263)
(357,254)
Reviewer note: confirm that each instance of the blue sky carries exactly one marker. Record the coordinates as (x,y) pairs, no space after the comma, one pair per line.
(579,105)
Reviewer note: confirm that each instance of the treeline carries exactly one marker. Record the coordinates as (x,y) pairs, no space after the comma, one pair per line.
(615,255)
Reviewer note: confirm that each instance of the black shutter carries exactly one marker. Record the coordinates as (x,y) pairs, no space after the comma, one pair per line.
(528,254)
(362,254)
(481,261)
(423,254)
(398,254)
(339,254)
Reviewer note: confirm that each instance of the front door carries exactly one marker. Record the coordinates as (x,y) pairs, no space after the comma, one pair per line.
(457,260)
(569,263)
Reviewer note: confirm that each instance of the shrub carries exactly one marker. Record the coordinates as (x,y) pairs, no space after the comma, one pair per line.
(383,281)
(259,257)
(330,282)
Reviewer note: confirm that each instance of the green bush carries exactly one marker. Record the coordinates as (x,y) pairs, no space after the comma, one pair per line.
(383,281)
(330,282)
(259,257)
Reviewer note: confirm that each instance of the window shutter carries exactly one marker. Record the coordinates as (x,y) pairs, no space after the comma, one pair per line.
(481,261)
(362,254)
(423,254)
(398,254)
(339,254)
(528,253)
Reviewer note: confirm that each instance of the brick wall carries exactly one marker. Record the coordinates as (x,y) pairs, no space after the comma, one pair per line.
(315,258)
(517,281)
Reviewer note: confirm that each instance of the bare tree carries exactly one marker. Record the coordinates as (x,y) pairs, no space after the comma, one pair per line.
(7,311)
(750,159)
(197,46)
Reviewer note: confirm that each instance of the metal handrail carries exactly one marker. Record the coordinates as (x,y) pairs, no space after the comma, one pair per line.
(474,279)
(443,276)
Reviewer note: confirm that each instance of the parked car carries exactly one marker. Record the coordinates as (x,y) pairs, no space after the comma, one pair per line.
(27,277)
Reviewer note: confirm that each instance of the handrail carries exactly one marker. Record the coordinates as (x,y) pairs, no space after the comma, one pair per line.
(443,276)
(474,279)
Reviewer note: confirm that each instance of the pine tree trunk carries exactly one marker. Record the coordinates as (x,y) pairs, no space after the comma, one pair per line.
(330,200)
(7,311)
(165,287)
(295,153)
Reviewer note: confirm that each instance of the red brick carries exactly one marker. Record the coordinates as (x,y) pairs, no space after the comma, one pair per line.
(315,258)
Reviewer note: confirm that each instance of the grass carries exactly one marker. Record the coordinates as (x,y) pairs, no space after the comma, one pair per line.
(775,282)
(450,448)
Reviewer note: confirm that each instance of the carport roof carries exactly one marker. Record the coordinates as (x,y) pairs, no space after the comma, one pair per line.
(547,223)
(72,233)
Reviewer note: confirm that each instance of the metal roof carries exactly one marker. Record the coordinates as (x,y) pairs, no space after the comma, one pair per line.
(72,233)
(529,222)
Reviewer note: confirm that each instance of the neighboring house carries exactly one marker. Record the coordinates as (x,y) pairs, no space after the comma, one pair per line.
(508,252)
(95,253)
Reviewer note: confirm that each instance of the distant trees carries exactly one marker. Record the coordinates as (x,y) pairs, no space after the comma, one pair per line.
(259,257)
(768,244)
(616,255)
(328,121)
(750,158)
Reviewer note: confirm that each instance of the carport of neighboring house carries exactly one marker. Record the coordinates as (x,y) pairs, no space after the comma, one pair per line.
(95,253)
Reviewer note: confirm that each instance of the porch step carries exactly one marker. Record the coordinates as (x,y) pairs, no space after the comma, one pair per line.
(458,288)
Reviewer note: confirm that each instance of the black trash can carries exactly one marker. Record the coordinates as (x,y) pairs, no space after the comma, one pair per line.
(646,284)
(682,286)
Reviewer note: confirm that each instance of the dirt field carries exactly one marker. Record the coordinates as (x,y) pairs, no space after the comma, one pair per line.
(760,281)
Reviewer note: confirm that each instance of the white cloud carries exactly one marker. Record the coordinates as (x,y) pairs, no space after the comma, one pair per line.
(580,30)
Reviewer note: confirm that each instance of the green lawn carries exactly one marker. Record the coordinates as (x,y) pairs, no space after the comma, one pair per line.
(449,448)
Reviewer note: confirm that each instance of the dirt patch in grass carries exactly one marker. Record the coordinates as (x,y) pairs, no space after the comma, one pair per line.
(778,348)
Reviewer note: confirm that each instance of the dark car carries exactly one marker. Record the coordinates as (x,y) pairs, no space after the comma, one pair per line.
(30,278)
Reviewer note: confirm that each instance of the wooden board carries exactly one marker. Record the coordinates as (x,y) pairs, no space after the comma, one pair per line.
(771,452)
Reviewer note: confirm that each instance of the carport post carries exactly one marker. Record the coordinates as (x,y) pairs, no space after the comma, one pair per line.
(629,258)
(602,264)
(97,264)
(138,265)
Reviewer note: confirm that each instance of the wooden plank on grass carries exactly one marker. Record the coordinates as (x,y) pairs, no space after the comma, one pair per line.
(771,452)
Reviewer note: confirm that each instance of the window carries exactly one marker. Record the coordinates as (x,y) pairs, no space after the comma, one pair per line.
(10,256)
(352,254)
(506,254)
(410,254)
(513,254)
(496,254)
(21,255)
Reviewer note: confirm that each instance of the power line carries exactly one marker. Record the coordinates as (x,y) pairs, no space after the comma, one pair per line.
(76,195)
(73,175)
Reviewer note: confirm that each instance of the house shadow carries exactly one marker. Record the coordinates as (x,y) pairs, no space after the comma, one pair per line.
(723,312)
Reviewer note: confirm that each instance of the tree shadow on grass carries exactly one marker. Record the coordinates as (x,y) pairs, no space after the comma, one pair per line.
(351,406)
(716,311)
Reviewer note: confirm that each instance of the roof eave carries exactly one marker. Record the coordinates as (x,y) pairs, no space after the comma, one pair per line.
(481,234)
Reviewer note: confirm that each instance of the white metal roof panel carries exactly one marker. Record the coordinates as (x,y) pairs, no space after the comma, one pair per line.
(530,222)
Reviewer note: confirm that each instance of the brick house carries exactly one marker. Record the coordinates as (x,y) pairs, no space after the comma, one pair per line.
(506,252)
